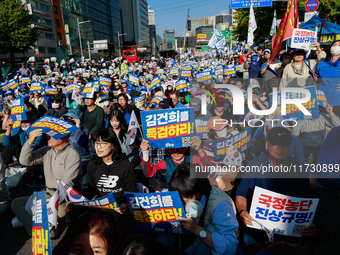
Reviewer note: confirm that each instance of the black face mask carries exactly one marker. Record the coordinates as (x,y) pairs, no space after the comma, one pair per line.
(286,62)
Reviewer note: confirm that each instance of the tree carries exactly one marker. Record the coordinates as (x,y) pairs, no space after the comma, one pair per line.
(264,17)
(16,34)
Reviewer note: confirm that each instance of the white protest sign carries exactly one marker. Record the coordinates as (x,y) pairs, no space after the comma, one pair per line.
(303,39)
(281,214)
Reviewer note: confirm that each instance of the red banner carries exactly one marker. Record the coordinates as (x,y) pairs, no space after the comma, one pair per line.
(290,20)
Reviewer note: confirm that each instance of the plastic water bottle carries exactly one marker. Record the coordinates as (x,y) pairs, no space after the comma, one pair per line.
(16,162)
(310,159)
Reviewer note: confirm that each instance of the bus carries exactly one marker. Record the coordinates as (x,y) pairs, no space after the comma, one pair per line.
(133,55)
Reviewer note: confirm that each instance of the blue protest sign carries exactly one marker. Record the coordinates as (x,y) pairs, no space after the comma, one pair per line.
(182,86)
(88,91)
(229,71)
(292,111)
(106,202)
(241,142)
(52,126)
(41,242)
(141,100)
(157,212)
(204,77)
(202,128)
(238,4)
(18,112)
(171,128)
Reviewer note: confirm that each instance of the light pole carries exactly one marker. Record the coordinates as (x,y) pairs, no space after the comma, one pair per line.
(119,35)
(81,46)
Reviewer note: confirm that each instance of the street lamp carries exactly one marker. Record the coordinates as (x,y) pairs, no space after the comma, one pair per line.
(119,35)
(81,46)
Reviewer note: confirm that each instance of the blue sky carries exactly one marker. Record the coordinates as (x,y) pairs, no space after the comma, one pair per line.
(172,14)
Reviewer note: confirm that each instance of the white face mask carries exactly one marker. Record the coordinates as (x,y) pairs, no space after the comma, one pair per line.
(55,105)
(222,133)
(263,98)
(335,50)
(25,128)
(106,103)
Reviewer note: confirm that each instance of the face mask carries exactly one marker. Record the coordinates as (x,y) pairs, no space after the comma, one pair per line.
(125,61)
(25,128)
(106,103)
(222,133)
(169,88)
(335,50)
(55,105)
(286,61)
(263,98)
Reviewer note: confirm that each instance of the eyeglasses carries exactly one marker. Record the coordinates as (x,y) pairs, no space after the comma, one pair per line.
(100,144)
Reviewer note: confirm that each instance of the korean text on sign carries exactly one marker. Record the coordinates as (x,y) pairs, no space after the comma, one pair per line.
(284,215)
(241,142)
(107,202)
(41,243)
(172,128)
(156,211)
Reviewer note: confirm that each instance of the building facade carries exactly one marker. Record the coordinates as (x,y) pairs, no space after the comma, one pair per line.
(135,22)
(223,20)
(42,18)
(169,40)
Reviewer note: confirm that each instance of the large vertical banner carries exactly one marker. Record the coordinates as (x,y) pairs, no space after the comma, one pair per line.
(41,243)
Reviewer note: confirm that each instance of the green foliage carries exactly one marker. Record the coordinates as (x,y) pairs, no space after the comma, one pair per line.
(264,18)
(333,4)
(16,33)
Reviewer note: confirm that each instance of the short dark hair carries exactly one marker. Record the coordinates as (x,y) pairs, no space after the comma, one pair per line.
(187,186)
(109,136)
(123,95)
(174,92)
(97,222)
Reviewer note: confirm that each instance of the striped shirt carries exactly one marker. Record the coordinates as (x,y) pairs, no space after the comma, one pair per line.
(311,132)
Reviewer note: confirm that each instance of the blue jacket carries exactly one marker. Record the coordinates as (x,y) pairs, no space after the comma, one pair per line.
(11,140)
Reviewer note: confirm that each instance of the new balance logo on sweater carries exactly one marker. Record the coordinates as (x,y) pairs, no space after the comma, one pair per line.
(107,181)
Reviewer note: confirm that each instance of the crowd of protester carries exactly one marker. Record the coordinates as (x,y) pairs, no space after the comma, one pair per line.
(98,149)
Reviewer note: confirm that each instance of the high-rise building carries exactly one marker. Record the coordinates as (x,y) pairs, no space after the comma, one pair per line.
(223,20)
(151,17)
(169,40)
(135,22)
(42,18)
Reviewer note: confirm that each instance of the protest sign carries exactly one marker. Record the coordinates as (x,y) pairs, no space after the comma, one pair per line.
(16,127)
(185,74)
(284,215)
(205,77)
(53,59)
(25,80)
(157,212)
(18,112)
(133,80)
(51,91)
(107,202)
(241,142)
(86,75)
(52,126)
(229,71)
(140,101)
(31,59)
(292,111)
(104,81)
(88,91)
(182,86)
(156,100)
(41,242)
(322,100)
(171,128)
(303,39)
(12,85)
(202,128)
(174,72)
(155,83)
(160,72)
(36,89)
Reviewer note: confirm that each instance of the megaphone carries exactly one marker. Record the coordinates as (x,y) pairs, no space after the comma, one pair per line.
(193,209)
